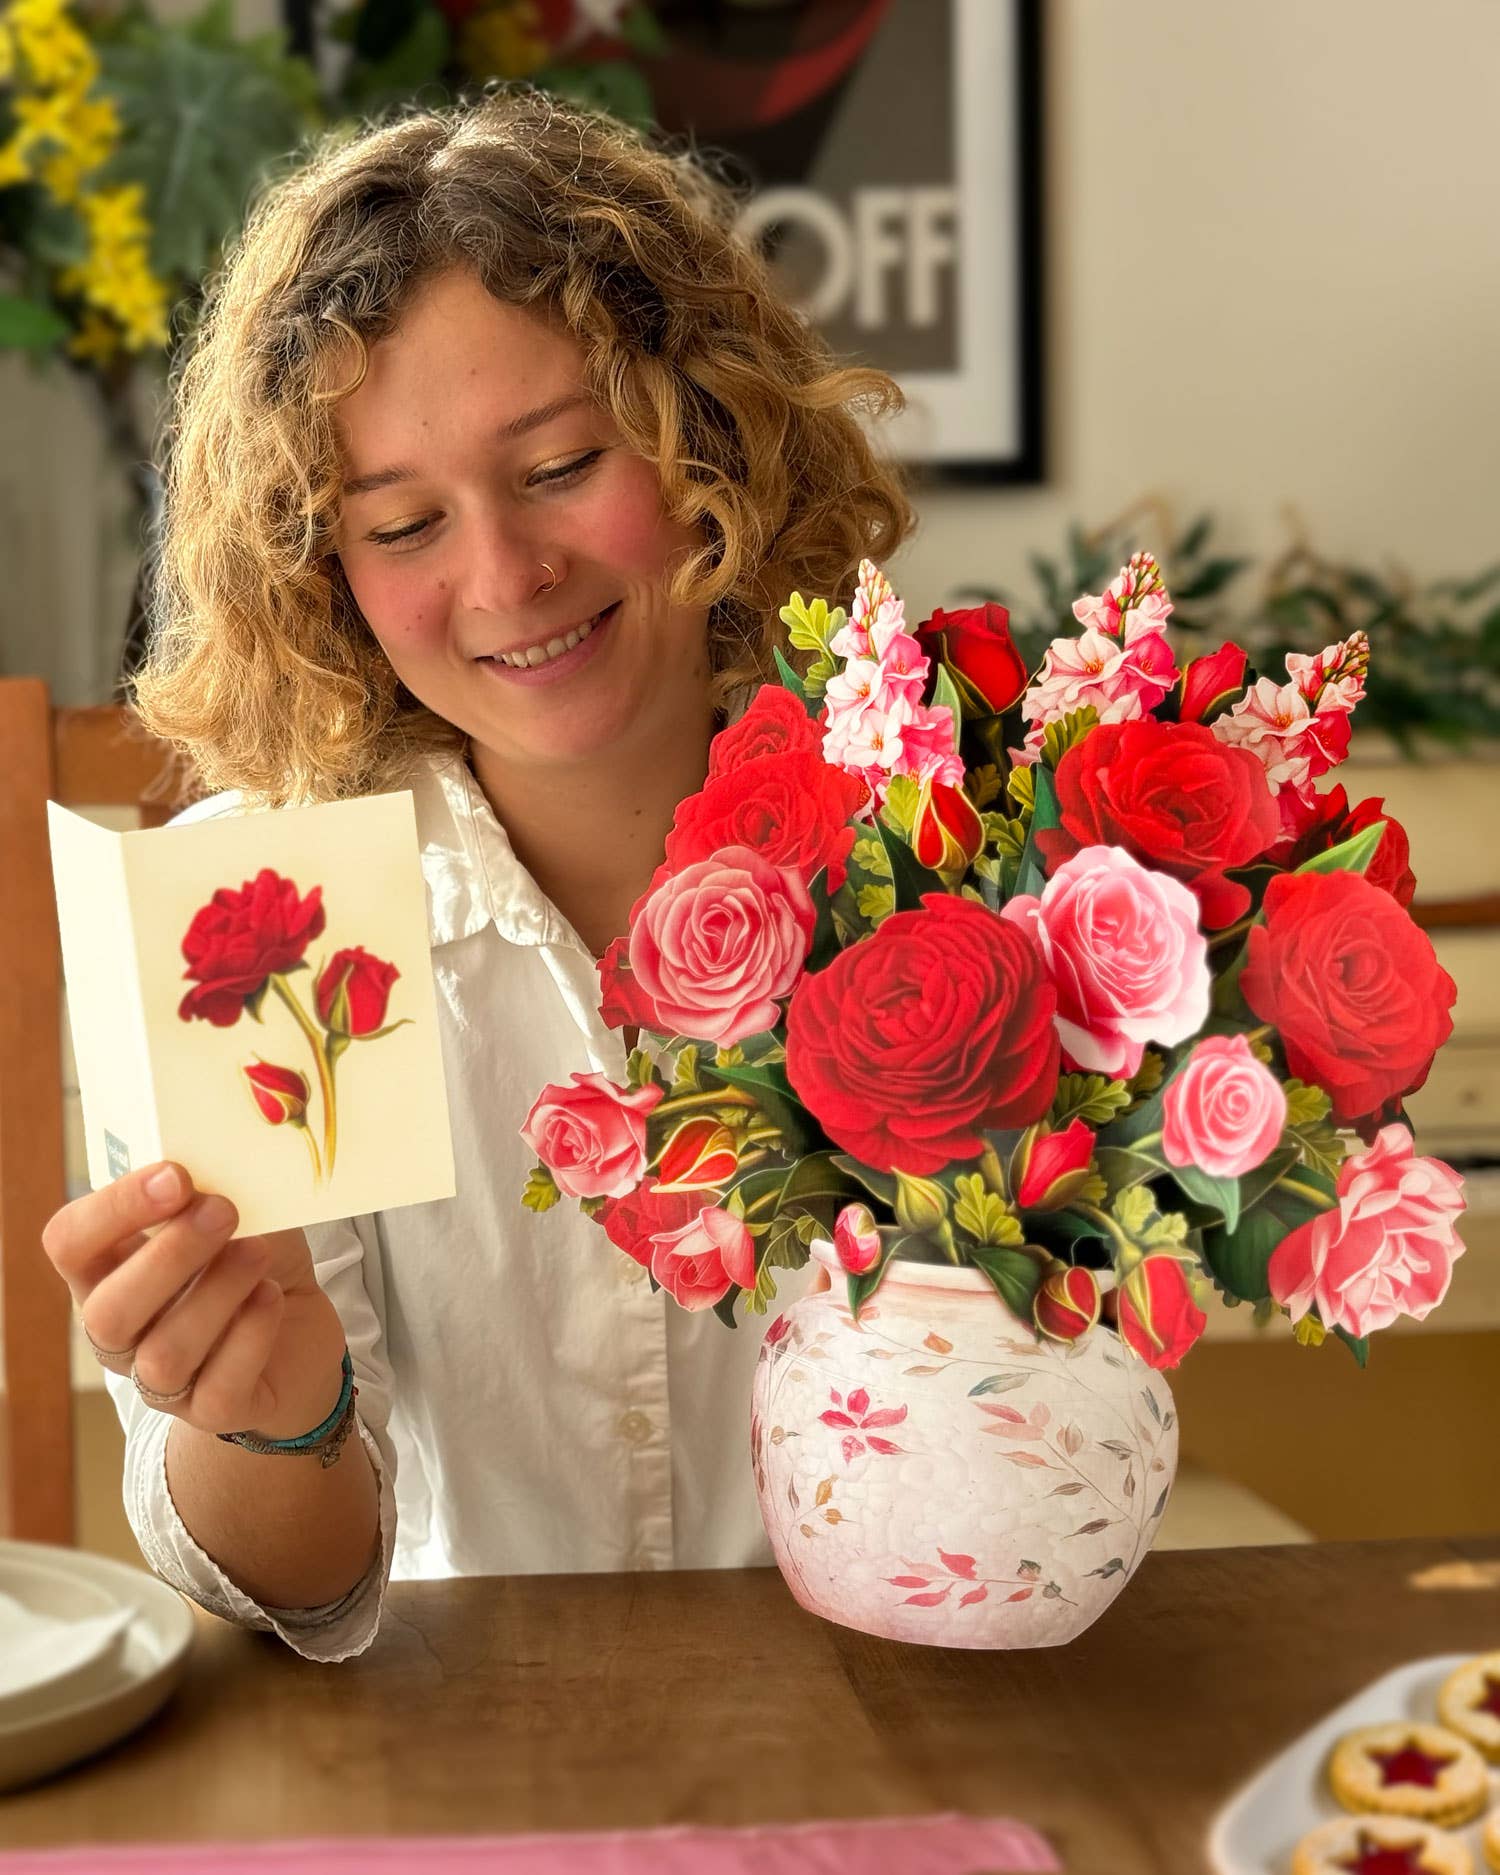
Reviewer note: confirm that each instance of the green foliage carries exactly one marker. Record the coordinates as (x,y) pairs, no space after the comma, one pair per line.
(1092,1098)
(983,1215)
(1061,735)
(541,1191)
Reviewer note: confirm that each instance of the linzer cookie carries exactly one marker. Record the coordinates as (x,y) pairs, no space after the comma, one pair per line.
(1469,1704)
(1410,1770)
(1380,1845)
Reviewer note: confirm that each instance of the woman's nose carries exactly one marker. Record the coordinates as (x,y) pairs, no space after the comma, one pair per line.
(505,568)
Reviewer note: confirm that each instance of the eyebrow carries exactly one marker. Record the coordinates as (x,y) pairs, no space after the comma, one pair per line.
(518,426)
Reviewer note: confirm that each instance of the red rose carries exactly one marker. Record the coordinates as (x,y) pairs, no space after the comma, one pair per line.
(1209,682)
(353,990)
(1156,1314)
(913,1040)
(977,646)
(1327,821)
(631,1221)
(1176,798)
(279,1093)
(239,939)
(1352,986)
(791,808)
(774,724)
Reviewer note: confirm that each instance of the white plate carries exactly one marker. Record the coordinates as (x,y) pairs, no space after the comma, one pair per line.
(84,1719)
(58,1637)
(1255,1833)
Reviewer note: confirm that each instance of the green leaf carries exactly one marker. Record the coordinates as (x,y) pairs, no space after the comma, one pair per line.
(541,1191)
(1064,732)
(810,625)
(1033,872)
(685,1071)
(1305,1104)
(945,696)
(1020,786)
(791,681)
(1239,1258)
(1092,1098)
(641,31)
(983,1215)
(775,1098)
(614,86)
(1220,1194)
(880,1185)
(876,902)
(640,1070)
(861,1288)
(909,876)
(29,325)
(1359,1346)
(1122,1169)
(1014,1276)
(1352,856)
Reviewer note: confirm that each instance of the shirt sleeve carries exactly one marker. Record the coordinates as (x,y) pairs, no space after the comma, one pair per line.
(346,1262)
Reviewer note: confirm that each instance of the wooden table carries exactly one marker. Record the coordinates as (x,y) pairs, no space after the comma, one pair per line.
(530,1702)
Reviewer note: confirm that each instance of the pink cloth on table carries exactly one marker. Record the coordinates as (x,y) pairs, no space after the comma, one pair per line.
(930,1845)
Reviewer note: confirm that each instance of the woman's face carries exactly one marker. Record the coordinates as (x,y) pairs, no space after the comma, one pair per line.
(474,461)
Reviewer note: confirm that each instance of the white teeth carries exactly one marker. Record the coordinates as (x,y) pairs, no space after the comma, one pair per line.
(534,655)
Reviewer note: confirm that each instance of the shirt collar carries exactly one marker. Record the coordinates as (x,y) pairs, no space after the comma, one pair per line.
(473,875)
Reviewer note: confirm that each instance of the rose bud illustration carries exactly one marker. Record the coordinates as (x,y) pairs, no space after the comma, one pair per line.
(1048,1170)
(948,833)
(699,1155)
(1067,1304)
(352,992)
(856,1241)
(281,1096)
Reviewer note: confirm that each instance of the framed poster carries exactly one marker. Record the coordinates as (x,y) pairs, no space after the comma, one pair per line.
(894,149)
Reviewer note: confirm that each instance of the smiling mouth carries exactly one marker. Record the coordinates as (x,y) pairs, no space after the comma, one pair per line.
(534,656)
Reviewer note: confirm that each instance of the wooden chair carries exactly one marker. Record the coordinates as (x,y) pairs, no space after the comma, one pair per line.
(82,758)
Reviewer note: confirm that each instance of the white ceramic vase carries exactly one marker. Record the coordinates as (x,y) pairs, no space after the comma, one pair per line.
(940,1473)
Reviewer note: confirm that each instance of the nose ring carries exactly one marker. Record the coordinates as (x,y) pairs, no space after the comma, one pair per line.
(554,578)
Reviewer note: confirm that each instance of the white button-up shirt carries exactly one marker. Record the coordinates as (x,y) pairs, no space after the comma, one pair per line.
(528,1402)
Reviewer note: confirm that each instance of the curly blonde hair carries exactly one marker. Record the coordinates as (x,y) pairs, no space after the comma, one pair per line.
(260,669)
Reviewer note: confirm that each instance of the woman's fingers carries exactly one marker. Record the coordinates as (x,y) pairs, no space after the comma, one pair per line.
(229,1392)
(179,1342)
(124,1304)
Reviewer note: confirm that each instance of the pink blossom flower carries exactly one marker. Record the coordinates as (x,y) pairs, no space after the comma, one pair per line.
(1387,1248)
(591,1136)
(927,752)
(1136,593)
(1121,678)
(697,1263)
(716,945)
(854,1414)
(1123,948)
(1224,1112)
(1299,730)
(876,617)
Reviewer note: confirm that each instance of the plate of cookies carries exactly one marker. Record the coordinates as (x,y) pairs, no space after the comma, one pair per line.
(1402,1779)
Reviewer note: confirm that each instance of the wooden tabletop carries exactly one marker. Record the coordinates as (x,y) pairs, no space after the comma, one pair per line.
(582,1702)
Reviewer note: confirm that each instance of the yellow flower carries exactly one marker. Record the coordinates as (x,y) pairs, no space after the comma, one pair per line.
(95,340)
(13,165)
(504,40)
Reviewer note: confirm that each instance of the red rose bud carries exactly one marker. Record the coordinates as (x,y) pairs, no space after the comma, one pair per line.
(353,991)
(1067,1304)
(280,1093)
(856,1241)
(699,1154)
(948,833)
(1208,682)
(978,649)
(1158,1317)
(1047,1170)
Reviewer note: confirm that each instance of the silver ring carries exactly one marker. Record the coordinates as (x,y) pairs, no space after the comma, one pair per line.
(105,1355)
(160,1399)
(554,578)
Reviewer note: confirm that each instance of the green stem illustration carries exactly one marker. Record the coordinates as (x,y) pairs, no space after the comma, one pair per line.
(325,1073)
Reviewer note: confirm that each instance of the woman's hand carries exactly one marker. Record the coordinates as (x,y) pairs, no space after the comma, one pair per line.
(240,1322)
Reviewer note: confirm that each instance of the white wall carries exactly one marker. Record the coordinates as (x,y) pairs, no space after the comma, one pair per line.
(1273,278)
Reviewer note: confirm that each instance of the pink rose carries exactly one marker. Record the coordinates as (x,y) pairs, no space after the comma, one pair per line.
(1224,1112)
(592,1136)
(1122,946)
(697,1263)
(715,945)
(856,1241)
(1386,1249)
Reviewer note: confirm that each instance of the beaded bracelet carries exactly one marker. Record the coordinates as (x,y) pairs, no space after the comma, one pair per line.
(326,1441)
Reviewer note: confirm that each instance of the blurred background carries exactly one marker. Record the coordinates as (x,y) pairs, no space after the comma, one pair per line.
(1218,282)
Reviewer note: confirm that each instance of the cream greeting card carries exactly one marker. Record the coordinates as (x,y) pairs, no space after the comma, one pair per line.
(252,997)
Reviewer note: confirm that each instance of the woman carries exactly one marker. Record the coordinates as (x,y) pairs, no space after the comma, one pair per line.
(494,458)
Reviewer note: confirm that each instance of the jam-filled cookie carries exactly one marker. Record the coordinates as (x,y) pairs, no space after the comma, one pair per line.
(1469,1704)
(1380,1845)
(1412,1770)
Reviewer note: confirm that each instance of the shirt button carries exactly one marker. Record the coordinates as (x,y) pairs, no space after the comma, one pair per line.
(634,1427)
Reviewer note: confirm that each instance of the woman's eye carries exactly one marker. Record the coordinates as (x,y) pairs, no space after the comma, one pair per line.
(400,533)
(570,469)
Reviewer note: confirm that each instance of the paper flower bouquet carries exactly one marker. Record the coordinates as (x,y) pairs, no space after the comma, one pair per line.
(1073,977)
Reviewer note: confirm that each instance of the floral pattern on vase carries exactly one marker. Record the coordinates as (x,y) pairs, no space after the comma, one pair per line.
(939,1473)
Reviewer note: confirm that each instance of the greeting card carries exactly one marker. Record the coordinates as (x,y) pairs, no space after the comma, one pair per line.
(251,996)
